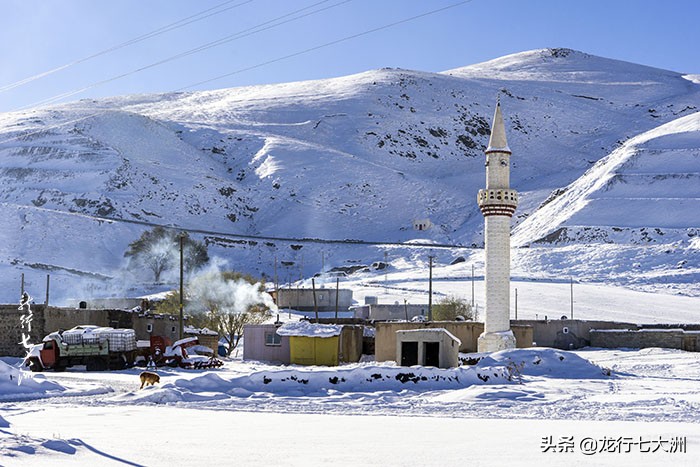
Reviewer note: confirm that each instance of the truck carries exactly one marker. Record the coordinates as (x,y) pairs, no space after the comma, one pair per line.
(98,348)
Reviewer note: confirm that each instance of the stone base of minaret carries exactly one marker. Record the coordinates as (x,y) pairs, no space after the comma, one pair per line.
(496,341)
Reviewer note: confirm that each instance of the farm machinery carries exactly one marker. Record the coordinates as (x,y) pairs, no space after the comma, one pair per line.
(177,354)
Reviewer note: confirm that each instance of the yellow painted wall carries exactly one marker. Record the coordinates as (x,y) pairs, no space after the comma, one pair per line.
(313,350)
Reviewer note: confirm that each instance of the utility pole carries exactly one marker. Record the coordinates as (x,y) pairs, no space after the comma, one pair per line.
(430,289)
(48,279)
(472,286)
(337,292)
(572,298)
(386,270)
(313,291)
(516,303)
(277,284)
(301,268)
(182,286)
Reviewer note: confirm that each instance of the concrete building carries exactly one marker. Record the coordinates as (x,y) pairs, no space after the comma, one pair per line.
(422,224)
(262,343)
(388,312)
(303,343)
(497,203)
(467,332)
(303,299)
(427,347)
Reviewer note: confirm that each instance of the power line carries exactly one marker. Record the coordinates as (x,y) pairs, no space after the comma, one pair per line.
(270,238)
(327,44)
(279,239)
(162,30)
(224,40)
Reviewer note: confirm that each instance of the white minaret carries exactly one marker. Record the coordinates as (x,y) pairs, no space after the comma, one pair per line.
(497,203)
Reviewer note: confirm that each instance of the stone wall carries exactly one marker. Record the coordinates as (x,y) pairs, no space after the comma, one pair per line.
(49,319)
(567,334)
(645,338)
(11,329)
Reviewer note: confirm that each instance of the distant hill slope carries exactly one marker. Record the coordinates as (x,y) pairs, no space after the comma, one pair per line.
(358,157)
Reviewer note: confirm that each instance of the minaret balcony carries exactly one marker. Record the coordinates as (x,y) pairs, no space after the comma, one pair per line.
(498,202)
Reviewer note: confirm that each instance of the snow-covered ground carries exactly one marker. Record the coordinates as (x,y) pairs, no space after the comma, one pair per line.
(538,295)
(522,407)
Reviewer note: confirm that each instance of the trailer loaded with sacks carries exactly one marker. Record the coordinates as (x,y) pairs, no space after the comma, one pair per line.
(98,348)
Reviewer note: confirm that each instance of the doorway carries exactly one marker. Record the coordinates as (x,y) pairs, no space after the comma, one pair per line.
(409,353)
(432,353)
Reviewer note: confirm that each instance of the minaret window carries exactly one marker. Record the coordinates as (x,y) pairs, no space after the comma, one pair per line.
(504,162)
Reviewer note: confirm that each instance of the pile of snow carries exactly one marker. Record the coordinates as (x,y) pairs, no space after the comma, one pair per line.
(200,331)
(18,446)
(545,362)
(502,368)
(119,339)
(16,384)
(307,329)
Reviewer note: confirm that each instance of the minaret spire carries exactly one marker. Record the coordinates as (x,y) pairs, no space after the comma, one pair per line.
(497,141)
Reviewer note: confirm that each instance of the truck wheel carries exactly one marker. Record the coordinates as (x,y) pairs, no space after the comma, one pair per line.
(117,362)
(96,364)
(61,365)
(35,365)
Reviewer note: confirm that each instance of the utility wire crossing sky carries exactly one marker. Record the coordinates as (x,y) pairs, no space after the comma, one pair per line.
(80,48)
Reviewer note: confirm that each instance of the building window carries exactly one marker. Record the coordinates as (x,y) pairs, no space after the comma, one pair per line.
(173,330)
(272,338)
(149,328)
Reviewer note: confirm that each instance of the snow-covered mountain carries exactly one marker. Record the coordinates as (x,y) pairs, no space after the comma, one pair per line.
(605,153)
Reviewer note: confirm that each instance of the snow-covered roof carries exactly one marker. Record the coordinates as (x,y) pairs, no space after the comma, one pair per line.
(432,330)
(186,340)
(202,331)
(307,329)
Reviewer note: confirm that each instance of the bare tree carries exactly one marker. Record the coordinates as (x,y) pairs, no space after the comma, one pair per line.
(230,325)
(158,250)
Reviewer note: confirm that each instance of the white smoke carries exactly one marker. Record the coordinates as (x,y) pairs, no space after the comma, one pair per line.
(231,296)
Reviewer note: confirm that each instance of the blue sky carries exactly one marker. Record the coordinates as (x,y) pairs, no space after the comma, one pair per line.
(39,35)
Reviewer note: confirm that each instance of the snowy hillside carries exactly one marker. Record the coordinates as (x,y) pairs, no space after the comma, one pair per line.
(358,157)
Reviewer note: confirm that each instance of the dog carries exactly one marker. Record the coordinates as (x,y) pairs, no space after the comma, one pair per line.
(148,377)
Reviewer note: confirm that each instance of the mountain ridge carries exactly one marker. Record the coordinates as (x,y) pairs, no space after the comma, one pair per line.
(356,157)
